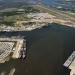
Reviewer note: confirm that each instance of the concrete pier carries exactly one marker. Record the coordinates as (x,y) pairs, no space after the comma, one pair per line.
(19,44)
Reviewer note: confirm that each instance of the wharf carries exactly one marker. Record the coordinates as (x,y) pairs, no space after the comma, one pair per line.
(11,48)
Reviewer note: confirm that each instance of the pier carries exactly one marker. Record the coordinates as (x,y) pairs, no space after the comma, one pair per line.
(70,63)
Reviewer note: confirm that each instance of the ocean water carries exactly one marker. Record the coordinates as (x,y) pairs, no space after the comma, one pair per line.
(70,4)
(63,3)
(47,50)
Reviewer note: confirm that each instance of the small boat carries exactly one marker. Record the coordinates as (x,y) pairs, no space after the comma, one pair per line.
(23,53)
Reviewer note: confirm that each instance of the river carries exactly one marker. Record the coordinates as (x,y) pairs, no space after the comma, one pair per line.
(47,50)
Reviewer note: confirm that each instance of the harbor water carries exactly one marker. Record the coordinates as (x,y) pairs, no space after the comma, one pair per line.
(47,50)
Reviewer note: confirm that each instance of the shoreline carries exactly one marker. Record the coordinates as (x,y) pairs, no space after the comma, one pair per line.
(29,28)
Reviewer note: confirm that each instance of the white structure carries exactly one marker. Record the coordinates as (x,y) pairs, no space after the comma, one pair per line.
(72,67)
